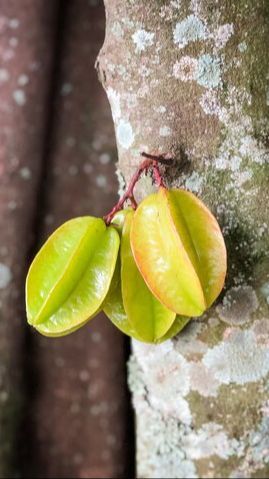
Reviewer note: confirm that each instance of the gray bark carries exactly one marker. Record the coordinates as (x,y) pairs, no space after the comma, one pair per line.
(190,78)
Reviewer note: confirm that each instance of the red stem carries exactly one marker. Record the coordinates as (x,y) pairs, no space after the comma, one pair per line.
(150,162)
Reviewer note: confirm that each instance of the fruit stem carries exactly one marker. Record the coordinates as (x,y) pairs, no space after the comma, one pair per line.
(151,161)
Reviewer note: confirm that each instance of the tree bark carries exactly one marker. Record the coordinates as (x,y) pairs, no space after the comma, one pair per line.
(189,78)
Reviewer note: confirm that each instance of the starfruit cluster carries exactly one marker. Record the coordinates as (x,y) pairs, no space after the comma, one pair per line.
(150,270)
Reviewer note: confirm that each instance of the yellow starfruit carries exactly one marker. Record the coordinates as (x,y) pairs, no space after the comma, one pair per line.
(147,319)
(180,251)
(150,318)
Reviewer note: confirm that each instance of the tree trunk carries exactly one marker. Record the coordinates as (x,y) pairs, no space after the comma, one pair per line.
(189,78)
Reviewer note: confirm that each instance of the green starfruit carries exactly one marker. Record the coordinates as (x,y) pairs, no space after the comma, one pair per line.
(150,319)
(179,249)
(114,309)
(69,278)
(177,326)
(147,319)
(113,304)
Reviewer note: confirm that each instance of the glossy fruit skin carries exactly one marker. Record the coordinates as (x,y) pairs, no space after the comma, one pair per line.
(113,304)
(114,309)
(177,326)
(149,318)
(179,249)
(71,275)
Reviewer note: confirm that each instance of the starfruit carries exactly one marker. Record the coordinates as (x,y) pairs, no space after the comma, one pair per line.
(177,326)
(113,304)
(130,304)
(69,278)
(114,309)
(180,251)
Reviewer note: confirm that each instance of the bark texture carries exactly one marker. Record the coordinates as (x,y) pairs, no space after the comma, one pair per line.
(190,78)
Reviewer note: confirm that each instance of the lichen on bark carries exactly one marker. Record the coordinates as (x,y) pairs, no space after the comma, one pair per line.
(189,78)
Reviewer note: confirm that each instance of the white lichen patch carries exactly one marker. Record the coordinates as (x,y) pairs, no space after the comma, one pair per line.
(194,182)
(256,455)
(185,69)
(208,71)
(235,163)
(5,276)
(117,29)
(114,99)
(260,328)
(165,131)
(208,441)
(250,148)
(240,148)
(160,109)
(177,406)
(143,40)
(222,34)
(242,47)
(166,374)
(187,342)
(210,103)
(164,439)
(202,380)
(213,322)
(238,359)
(125,134)
(189,30)
(239,303)
(121,182)
(130,100)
